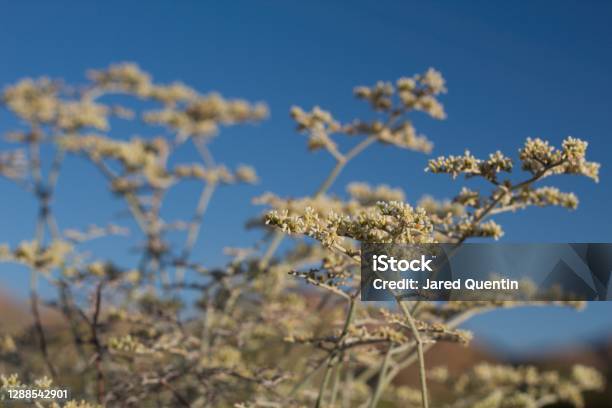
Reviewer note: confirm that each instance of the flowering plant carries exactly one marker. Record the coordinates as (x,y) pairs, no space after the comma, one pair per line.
(258,335)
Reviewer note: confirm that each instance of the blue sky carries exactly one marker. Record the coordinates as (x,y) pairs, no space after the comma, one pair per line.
(514,69)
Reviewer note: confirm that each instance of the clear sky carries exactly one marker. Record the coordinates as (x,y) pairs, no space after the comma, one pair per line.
(514,69)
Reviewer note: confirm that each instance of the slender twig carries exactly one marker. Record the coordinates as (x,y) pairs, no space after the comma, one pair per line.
(331,288)
(34,302)
(326,377)
(336,356)
(196,223)
(67,307)
(381,383)
(333,175)
(336,380)
(97,343)
(420,353)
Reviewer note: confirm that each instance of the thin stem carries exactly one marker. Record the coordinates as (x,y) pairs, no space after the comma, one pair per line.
(205,197)
(420,353)
(336,380)
(137,211)
(204,151)
(67,307)
(381,383)
(194,227)
(34,302)
(355,151)
(347,389)
(333,175)
(330,288)
(97,344)
(326,377)
(277,239)
(338,355)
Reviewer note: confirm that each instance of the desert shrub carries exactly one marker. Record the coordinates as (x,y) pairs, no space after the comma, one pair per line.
(271,328)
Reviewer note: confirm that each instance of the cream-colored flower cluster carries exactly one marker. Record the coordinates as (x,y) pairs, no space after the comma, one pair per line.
(537,156)
(40,102)
(202,116)
(40,258)
(72,116)
(440,209)
(415,93)
(542,197)
(506,386)
(35,101)
(361,196)
(319,125)
(125,77)
(147,157)
(126,344)
(471,166)
(322,204)
(133,155)
(7,344)
(173,93)
(368,195)
(468,197)
(468,228)
(404,135)
(218,174)
(434,331)
(13,164)
(186,112)
(387,222)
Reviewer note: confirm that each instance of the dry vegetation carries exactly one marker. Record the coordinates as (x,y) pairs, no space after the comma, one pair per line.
(271,328)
